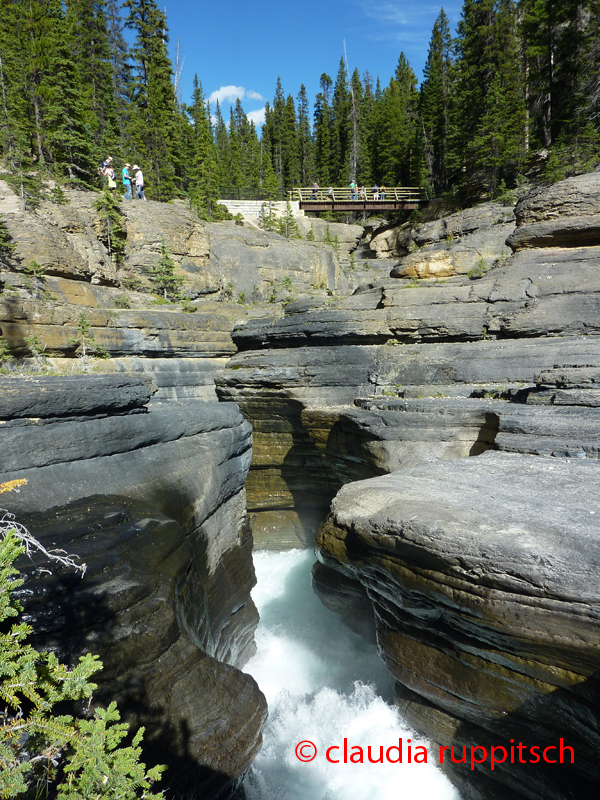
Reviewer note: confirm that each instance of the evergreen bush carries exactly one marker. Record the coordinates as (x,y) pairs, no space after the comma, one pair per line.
(44,751)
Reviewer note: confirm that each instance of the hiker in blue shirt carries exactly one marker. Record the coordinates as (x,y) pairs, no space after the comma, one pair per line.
(126,182)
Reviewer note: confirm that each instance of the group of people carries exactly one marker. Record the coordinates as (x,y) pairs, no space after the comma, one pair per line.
(355,192)
(378,192)
(109,179)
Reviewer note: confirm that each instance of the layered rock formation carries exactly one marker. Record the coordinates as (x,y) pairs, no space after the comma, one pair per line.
(59,266)
(151,497)
(478,553)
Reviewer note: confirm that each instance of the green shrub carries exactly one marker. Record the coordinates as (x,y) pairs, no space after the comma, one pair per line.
(44,752)
(122,301)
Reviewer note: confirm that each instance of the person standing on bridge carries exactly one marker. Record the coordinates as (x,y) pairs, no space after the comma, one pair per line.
(353,191)
(382,192)
(315,191)
(375,192)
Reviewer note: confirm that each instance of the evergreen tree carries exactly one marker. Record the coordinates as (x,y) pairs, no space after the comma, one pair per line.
(37,741)
(152,124)
(398,126)
(291,163)
(274,131)
(91,45)
(323,123)
(42,88)
(557,36)
(489,112)
(163,275)
(341,107)
(222,148)
(305,143)
(435,98)
(204,173)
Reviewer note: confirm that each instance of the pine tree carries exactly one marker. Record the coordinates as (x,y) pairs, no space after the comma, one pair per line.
(398,125)
(152,124)
(204,173)
(489,113)
(163,275)
(274,132)
(118,60)
(323,123)
(305,143)
(558,34)
(435,98)
(222,148)
(113,232)
(91,44)
(291,164)
(341,107)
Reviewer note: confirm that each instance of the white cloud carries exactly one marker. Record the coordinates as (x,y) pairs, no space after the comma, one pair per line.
(230,94)
(257,117)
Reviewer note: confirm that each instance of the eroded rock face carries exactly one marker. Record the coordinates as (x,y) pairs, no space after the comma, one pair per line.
(471,240)
(478,551)
(482,573)
(152,498)
(566,214)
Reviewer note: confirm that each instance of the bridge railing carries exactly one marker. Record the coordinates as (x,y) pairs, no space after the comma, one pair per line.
(342,194)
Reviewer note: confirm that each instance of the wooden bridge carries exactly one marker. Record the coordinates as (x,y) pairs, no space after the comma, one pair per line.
(341,198)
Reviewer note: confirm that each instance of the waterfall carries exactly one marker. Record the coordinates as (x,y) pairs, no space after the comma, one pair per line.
(325,684)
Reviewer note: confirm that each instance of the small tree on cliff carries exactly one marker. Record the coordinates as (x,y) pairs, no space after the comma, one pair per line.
(44,752)
(163,275)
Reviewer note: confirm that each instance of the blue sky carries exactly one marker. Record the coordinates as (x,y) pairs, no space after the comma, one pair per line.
(239,47)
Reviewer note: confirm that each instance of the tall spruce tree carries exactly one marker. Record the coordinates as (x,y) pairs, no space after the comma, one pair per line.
(221,138)
(152,119)
(204,172)
(323,124)
(91,46)
(557,35)
(291,162)
(305,143)
(488,126)
(341,107)
(398,126)
(435,97)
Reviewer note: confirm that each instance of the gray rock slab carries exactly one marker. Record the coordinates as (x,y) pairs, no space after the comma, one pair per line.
(72,395)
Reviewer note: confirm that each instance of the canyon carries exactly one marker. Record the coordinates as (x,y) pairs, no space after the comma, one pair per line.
(429,392)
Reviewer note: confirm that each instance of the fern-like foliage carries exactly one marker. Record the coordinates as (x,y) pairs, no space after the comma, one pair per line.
(40,748)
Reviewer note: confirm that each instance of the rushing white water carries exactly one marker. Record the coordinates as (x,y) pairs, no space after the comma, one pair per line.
(323,683)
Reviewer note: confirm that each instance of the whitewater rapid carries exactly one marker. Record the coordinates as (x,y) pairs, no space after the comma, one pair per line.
(323,683)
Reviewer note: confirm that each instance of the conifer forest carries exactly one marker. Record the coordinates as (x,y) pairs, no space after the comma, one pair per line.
(514,91)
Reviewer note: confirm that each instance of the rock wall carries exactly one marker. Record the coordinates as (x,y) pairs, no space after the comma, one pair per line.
(151,497)
(59,267)
(478,551)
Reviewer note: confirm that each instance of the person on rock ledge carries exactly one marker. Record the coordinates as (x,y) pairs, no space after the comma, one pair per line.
(126,182)
(139,182)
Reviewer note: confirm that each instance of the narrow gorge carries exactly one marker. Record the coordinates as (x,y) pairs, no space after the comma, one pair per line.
(424,395)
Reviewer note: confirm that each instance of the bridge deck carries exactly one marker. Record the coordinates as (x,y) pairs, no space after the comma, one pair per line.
(341,198)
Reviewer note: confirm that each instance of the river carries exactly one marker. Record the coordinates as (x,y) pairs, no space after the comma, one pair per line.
(324,684)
